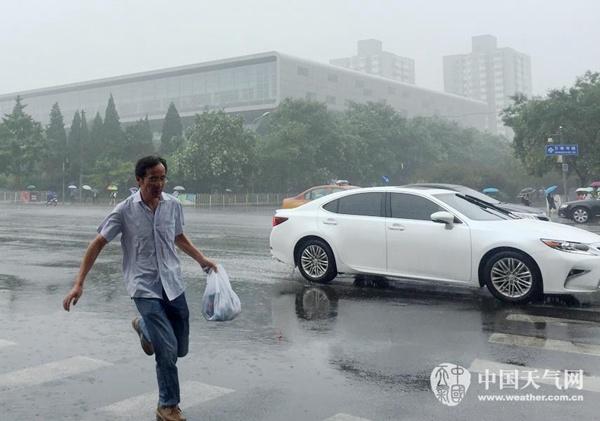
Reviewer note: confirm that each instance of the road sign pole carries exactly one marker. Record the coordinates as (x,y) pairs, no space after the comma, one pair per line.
(565,169)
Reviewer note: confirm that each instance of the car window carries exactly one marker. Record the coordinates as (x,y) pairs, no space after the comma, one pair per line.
(316,193)
(366,204)
(410,206)
(470,210)
(332,206)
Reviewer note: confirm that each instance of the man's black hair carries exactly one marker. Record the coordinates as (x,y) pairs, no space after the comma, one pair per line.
(148,162)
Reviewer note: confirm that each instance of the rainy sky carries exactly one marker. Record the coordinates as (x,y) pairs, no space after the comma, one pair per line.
(46,43)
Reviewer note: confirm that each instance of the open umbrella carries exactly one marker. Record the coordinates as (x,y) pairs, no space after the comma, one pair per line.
(550,189)
(178,188)
(71,186)
(31,187)
(112,187)
(527,190)
(86,187)
(490,190)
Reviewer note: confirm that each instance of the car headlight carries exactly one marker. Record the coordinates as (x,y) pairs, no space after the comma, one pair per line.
(569,246)
(563,206)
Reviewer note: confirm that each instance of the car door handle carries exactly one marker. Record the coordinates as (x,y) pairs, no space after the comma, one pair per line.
(330,221)
(397,227)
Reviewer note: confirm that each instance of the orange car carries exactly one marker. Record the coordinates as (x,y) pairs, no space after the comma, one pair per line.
(314,193)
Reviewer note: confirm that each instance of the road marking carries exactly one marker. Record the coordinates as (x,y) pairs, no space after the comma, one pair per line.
(547,344)
(551,320)
(4,343)
(589,383)
(50,371)
(345,417)
(142,406)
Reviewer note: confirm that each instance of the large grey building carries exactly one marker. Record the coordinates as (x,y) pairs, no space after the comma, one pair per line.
(371,59)
(249,85)
(489,74)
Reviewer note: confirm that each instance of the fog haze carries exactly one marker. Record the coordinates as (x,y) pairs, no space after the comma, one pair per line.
(50,43)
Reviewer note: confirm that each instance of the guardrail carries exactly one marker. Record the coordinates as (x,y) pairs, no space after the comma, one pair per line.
(198,200)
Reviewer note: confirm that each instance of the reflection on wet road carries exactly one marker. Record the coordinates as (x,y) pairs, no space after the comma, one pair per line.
(360,348)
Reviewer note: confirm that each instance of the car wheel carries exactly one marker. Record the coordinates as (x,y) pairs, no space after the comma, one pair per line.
(512,277)
(316,262)
(580,215)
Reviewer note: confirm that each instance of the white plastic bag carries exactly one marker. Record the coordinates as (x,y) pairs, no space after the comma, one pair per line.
(220,302)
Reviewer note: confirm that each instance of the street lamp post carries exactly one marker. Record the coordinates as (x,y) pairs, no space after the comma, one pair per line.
(256,122)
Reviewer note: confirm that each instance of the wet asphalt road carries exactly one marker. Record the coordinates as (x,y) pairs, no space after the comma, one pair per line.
(357,349)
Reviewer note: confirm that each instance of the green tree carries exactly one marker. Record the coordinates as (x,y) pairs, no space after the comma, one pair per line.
(568,115)
(114,138)
(172,131)
(302,147)
(22,144)
(139,139)
(217,154)
(74,150)
(86,153)
(96,137)
(56,146)
(380,145)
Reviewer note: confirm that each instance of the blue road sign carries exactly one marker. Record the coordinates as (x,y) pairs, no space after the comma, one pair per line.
(552,149)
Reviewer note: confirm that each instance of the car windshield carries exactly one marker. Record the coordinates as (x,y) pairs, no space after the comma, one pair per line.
(471,208)
(461,189)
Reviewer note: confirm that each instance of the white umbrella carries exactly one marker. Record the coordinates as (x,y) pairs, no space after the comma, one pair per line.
(178,188)
(86,187)
(71,186)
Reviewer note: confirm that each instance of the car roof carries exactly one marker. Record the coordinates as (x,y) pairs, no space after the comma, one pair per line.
(341,186)
(447,186)
(397,189)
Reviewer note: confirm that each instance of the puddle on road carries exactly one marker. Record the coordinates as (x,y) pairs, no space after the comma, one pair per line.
(404,382)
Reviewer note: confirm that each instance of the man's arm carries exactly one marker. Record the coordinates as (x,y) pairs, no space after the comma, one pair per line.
(186,245)
(89,258)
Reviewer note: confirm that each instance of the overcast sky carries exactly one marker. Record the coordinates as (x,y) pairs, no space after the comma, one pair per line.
(45,43)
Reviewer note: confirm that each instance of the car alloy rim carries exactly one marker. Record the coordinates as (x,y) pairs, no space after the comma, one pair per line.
(314,261)
(580,215)
(511,277)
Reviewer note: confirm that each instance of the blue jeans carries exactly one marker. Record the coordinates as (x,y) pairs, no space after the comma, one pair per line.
(166,324)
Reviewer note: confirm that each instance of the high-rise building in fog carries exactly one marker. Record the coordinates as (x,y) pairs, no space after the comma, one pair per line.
(372,59)
(489,74)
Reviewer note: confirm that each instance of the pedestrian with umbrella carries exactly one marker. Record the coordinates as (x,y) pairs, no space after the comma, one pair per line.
(550,199)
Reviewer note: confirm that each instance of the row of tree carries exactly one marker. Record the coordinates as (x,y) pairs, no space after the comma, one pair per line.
(97,152)
(567,115)
(298,145)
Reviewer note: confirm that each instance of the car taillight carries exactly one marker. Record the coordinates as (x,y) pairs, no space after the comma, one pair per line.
(278,220)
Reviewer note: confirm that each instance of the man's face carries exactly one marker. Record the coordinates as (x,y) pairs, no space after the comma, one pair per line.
(152,184)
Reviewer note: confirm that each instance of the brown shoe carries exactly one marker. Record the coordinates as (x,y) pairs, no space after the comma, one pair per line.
(146,344)
(169,413)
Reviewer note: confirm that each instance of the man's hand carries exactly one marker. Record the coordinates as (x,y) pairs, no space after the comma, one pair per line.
(209,265)
(72,296)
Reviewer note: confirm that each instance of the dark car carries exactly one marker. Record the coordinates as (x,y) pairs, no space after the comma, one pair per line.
(580,211)
(514,208)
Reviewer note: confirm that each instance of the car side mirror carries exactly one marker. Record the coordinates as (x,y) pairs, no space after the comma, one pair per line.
(443,217)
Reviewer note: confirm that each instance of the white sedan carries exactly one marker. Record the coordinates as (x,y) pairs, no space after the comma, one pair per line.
(435,235)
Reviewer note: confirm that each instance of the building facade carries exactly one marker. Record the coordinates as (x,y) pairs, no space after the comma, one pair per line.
(249,86)
(489,74)
(373,60)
